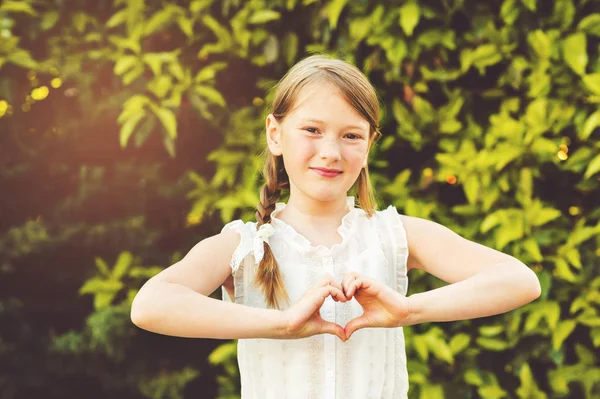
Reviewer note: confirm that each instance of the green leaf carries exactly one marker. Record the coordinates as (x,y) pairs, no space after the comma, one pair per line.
(124,64)
(432,391)
(209,72)
(590,24)
(490,331)
(473,377)
(459,342)
(161,85)
(210,93)
(530,4)
(123,264)
(117,19)
(471,187)
(593,167)
(264,16)
(492,344)
(132,75)
(187,26)
(439,348)
(49,19)
(574,257)
(410,13)
(145,272)
(540,43)
(97,285)
(562,332)
(158,21)
(420,345)
(168,120)
(17,6)
(528,388)
(129,126)
(533,249)
(222,352)
(592,82)
(509,12)
(544,216)
(102,267)
(509,232)
(334,10)
(23,59)
(564,11)
(450,126)
(491,392)
(591,123)
(563,271)
(575,52)
(290,47)
(103,299)
(176,70)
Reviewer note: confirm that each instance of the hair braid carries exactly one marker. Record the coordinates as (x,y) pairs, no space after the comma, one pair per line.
(268,275)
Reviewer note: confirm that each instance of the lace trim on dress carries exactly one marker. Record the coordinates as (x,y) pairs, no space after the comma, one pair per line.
(246,232)
(400,248)
(303,244)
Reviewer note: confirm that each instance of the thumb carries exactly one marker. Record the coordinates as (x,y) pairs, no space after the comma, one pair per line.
(355,324)
(334,329)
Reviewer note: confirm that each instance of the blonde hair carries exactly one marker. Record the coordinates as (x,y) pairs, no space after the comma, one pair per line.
(361,96)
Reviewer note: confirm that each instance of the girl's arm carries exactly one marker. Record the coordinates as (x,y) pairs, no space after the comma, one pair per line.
(176,301)
(483,281)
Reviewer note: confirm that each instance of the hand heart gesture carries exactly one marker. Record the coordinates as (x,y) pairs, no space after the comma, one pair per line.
(382,306)
(303,319)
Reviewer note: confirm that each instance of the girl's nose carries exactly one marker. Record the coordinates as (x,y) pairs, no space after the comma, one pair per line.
(330,150)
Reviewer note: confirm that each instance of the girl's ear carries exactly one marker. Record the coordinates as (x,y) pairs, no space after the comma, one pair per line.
(273,128)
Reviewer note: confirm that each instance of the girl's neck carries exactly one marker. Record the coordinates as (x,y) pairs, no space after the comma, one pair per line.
(305,210)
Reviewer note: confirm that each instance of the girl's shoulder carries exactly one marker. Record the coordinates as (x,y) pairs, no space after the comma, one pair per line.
(247,236)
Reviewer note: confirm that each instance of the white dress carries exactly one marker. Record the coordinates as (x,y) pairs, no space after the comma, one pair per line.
(372,363)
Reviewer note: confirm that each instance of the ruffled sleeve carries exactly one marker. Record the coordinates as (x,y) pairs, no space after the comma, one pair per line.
(247,232)
(399,247)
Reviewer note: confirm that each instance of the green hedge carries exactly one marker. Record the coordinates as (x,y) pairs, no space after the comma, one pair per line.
(490,128)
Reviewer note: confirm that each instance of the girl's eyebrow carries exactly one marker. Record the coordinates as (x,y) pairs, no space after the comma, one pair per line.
(318,121)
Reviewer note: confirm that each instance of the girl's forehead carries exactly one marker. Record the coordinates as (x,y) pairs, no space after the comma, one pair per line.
(324,102)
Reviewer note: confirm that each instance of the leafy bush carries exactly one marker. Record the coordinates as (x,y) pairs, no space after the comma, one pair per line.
(490,128)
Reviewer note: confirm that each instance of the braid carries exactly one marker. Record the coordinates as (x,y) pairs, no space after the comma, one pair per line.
(268,276)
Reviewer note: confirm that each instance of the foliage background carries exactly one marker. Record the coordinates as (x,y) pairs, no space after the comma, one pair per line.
(130,130)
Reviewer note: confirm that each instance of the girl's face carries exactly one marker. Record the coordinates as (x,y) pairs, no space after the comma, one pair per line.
(324,143)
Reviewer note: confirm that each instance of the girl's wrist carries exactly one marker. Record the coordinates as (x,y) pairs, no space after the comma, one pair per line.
(277,324)
(412,317)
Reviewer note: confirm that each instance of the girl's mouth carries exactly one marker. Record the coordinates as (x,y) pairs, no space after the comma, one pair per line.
(327,172)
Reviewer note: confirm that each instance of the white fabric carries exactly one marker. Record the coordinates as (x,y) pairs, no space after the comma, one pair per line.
(372,363)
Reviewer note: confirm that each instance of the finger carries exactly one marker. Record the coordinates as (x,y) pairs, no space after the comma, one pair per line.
(353,287)
(334,292)
(333,329)
(348,277)
(328,279)
(355,324)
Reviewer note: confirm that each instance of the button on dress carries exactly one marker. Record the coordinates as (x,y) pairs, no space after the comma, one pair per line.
(372,363)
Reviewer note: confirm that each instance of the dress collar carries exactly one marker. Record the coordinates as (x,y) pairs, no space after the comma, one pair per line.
(303,244)
(350,204)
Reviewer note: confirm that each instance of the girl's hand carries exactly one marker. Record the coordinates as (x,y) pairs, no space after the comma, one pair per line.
(382,306)
(303,318)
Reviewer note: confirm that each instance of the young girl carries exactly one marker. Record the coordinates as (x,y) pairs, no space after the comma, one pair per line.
(315,290)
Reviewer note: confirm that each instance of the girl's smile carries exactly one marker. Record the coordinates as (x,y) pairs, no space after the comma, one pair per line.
(325,172)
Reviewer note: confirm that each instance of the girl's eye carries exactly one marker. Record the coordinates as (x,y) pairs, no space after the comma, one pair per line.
(311,129)
(353,136)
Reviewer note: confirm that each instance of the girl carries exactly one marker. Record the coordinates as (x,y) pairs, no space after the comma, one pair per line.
(315,290)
